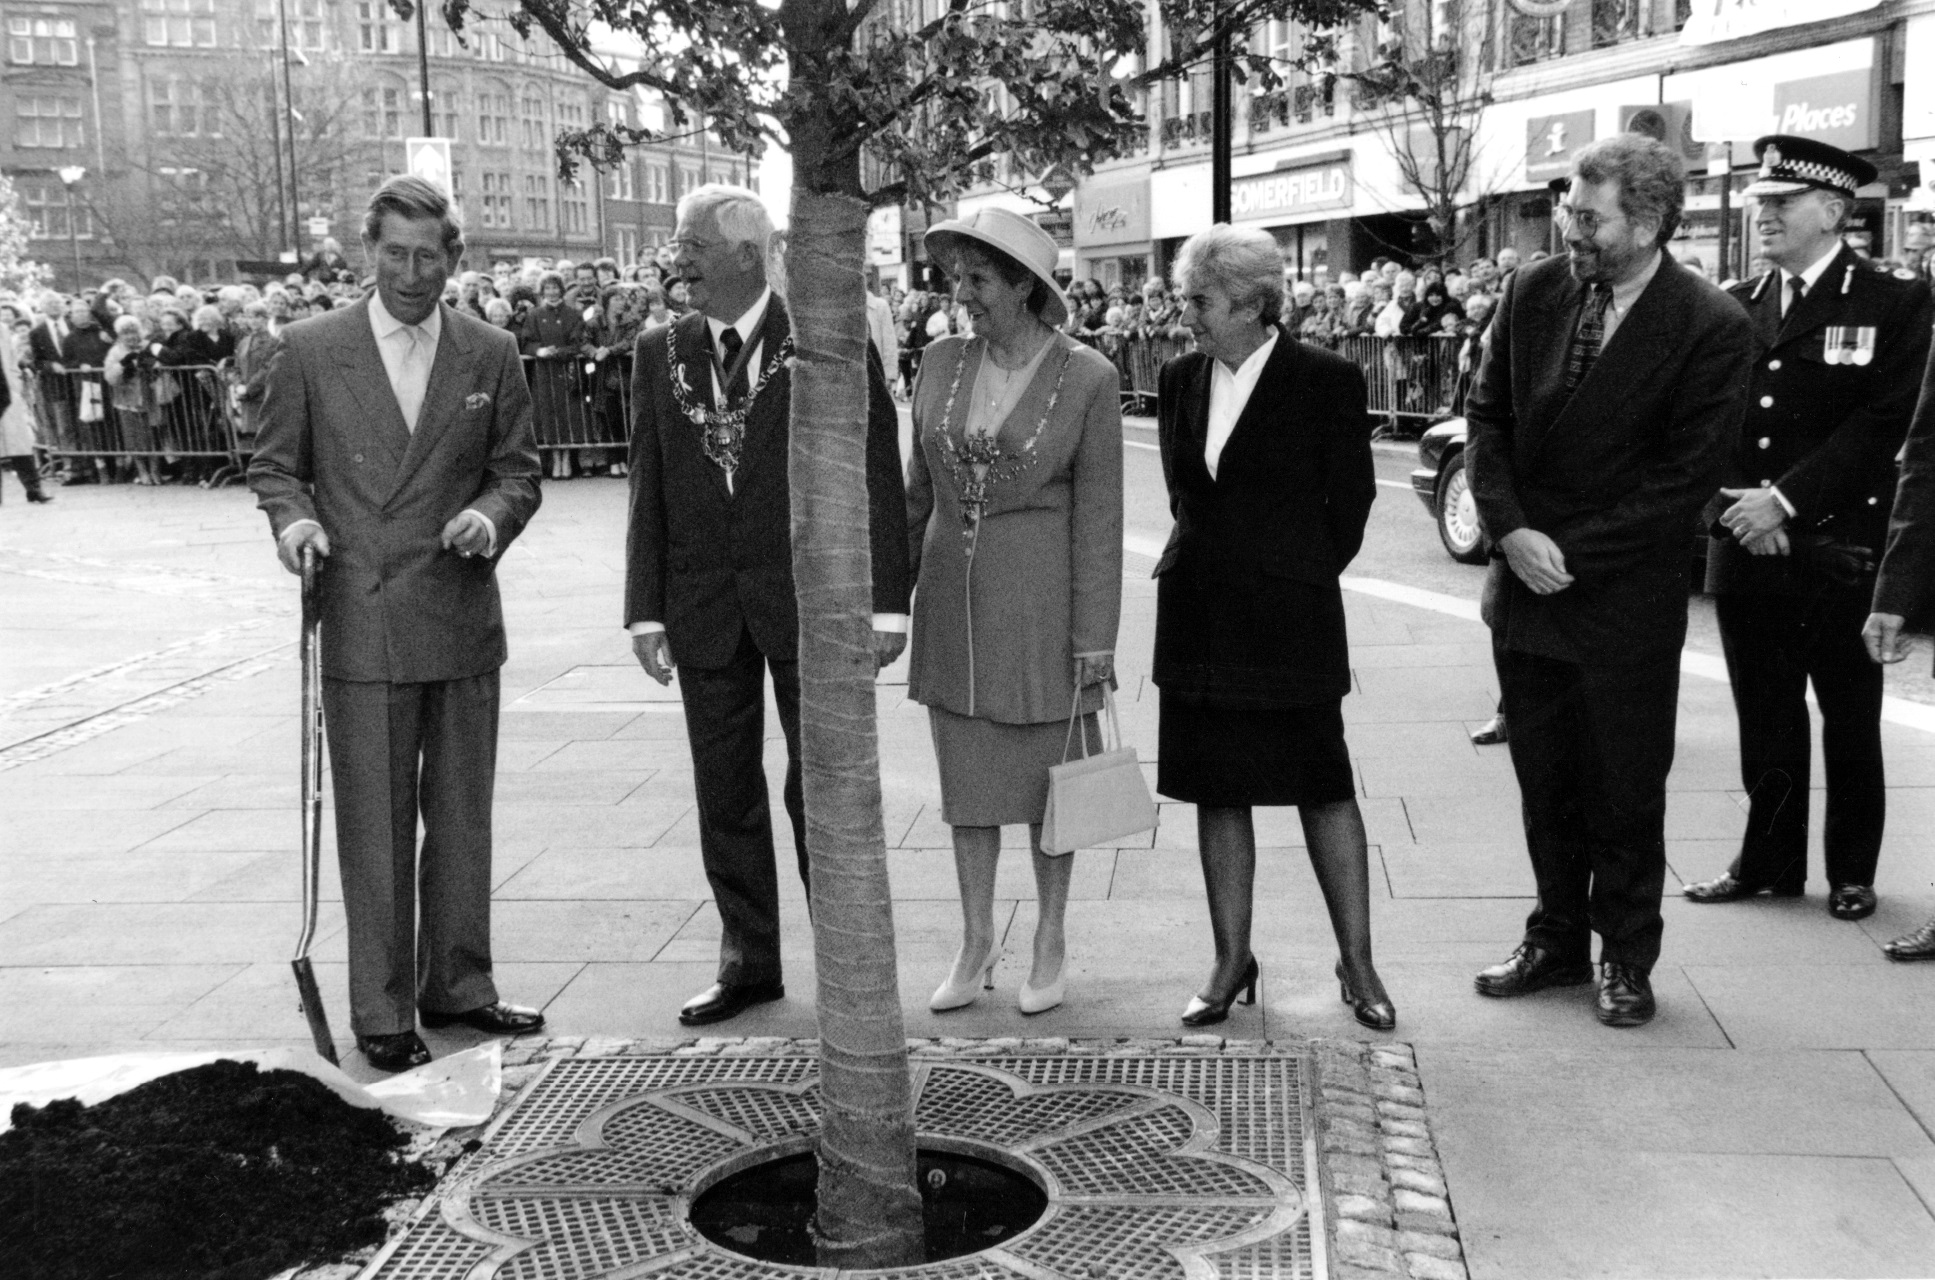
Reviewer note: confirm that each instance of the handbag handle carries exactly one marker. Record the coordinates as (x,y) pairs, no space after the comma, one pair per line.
(1074,717)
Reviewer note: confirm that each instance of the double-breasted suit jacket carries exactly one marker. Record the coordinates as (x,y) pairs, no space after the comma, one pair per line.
(996,634)
(412,634)
(705,559)
(1834,386)
(1617,471)
(1248,610)
(334,448)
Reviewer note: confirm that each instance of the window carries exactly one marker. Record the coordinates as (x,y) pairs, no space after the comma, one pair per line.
(574,207)
(497,199)
(179,108)
(308,29)
(383,112)
(183,196)
(490,46)
(443,41)
(531,132)
(655,186)
(571,115)
(47,120)
(688,179)
(724,175)
(377,30)
(537,201)
(494,119)
(621,182)
(49,42)
(49,210)
(445,102)
(187,24)
(627,245)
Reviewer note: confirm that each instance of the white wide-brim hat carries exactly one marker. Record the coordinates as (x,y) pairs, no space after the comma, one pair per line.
(1011,234)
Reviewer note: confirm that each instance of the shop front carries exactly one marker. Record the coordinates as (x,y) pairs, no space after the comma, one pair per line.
(1306,204)
(1110,230)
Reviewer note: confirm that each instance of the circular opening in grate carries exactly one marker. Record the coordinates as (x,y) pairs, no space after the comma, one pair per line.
(968,1204)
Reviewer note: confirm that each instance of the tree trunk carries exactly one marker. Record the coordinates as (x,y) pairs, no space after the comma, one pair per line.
(869,1207)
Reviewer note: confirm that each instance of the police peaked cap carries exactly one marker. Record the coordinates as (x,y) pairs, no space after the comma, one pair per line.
(1791,165)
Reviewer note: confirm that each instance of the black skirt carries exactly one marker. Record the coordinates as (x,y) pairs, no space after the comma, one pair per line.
(1253,756)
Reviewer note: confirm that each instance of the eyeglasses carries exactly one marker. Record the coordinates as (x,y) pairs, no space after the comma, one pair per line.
(1564,216)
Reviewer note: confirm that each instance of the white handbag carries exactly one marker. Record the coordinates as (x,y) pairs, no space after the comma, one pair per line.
(1099,797)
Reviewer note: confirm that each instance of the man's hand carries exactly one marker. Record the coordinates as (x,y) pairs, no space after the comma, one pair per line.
(468,534)
(1537,560)
(654,653)
(1774,543)
(1096,668)
(1754,514)
(887,646)
(1882,634)
(288,548)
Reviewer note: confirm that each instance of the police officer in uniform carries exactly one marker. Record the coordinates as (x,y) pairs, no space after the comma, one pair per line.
(1803,519)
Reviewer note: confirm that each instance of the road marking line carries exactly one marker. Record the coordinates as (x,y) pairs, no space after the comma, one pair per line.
(1705,666)
(1395,484)
(1137,444)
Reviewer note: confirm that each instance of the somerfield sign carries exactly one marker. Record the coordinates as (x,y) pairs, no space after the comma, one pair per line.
(1287,194)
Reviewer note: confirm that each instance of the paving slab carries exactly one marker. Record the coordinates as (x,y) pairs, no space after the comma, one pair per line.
(1876,1005)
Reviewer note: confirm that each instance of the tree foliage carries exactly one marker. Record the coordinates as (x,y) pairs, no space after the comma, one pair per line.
(18,271)
(931,107)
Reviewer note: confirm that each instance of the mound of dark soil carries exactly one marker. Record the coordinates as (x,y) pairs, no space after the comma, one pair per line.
(220,1172)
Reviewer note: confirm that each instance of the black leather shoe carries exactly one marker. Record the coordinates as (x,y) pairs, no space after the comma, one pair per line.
(1625,996)
(724,1000)
(1851,902)
(397,1052)
(39,495)
(1726,888)
(1530,969)
(1910,947)
(496,1018)
(1490,733)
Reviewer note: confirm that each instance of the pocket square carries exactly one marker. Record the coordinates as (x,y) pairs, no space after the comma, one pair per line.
(477,400)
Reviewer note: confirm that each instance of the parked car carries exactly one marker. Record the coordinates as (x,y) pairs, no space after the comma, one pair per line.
(1441,485)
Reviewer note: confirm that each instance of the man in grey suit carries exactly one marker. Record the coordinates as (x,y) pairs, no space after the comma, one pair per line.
(397,444)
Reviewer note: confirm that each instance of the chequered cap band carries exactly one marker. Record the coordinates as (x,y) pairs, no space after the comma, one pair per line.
(1810,171)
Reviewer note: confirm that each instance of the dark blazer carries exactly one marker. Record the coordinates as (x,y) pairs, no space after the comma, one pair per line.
(706,562)
(43,350)
(1907,580)
(1826,434)
(1616,472)
(396,606)
(1248,611)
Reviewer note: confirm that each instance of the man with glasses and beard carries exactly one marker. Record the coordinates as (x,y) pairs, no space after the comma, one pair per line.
(1605,402)
(1841,343)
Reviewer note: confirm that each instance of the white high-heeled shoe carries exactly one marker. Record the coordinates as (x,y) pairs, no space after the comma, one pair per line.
(950,996)
(1033,999)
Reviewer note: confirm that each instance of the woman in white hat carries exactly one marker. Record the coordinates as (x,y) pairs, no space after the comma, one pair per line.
(1014,504)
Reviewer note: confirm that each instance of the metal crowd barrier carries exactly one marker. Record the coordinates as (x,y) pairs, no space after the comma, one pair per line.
(163,413)
(581,408)
(1414,379)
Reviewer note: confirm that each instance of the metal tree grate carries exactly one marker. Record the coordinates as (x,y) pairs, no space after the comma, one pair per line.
(1157,1167)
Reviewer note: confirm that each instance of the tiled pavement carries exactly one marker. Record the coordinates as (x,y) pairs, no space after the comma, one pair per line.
(1774,1120)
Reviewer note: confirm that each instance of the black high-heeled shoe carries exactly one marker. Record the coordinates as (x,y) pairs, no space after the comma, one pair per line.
(1203,1013)
(1378,1015)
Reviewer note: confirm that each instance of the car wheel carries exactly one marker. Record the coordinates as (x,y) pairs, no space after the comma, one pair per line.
(1458,526)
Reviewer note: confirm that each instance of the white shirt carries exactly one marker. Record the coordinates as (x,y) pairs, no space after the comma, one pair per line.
(408,364)
(409,351)
(1812,276)
(748,326)
(1228,394)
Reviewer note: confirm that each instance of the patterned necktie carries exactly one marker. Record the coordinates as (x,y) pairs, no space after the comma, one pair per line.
(1588,337)
(730,344)
(1796,290)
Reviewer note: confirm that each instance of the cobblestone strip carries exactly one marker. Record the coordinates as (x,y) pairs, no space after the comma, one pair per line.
(1388,1214)
(264,596)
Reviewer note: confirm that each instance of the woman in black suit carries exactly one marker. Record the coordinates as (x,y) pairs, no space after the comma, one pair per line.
(1266,451)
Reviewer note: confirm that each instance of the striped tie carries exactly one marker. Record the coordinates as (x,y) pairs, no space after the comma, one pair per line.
(1588,337)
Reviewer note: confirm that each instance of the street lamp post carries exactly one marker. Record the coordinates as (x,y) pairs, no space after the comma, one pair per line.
(70,177)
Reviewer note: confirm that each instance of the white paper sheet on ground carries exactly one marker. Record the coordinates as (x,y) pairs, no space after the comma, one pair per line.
(450,1092)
